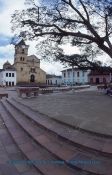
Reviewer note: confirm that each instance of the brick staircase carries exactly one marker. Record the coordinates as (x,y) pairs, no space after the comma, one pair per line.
(54,148)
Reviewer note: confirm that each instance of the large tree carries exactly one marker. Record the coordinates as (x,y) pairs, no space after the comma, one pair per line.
(86,24)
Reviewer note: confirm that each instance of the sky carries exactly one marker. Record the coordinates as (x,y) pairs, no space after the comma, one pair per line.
(7,8)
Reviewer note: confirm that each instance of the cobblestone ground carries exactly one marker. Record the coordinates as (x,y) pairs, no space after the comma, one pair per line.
(88,109)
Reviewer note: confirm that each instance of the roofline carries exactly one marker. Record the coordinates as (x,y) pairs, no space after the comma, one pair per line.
(69,69)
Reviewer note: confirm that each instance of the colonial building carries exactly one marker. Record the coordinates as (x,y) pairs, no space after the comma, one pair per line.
(7,75)
(102,75)
(74,76)
(27,67)
(53,80)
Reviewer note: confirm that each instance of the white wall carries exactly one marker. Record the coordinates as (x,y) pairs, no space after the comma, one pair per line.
(53,80)
(71,76)
(1,77)
(4,78)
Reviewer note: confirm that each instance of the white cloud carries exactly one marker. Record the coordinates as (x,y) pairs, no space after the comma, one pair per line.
(6,53)
(5,29)
(52,68)
(8,48)
(5,16)
(68,49)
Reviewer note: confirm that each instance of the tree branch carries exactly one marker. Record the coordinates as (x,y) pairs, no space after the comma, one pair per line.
(81,42)
(69,20)
(86,22)
(85,10)
(73,7)
(64,33)
(106,32)
(106,25)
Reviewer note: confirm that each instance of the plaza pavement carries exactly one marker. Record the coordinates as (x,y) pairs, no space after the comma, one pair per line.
(88,109)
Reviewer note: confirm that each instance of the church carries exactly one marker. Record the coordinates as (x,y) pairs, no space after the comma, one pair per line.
(27,67)
(25,70)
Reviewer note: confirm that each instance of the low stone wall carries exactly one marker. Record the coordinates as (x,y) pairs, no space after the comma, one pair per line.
(27,91)
(80,87)
(3,95)
(61,89)
(45,91)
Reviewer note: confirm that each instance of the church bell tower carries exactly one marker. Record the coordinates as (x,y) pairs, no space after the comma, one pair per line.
(20,61)
(21,52)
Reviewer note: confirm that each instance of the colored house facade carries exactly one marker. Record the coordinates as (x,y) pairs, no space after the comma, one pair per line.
(101,76)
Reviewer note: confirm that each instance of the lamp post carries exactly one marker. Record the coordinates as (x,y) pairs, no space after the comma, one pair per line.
(66,77)
(110,77)
(92,55)
(72,75)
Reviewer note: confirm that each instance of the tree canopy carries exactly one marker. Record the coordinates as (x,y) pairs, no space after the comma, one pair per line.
(86,24)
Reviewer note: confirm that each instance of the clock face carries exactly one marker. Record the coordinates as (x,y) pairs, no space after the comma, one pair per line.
(23,46)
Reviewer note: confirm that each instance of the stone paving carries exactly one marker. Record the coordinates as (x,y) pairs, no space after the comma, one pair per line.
(87,109)
(37,136)
(42,138)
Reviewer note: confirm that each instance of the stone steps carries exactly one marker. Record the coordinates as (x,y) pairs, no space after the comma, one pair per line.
(76,136)
(31,149)
(55,144)
(10,152)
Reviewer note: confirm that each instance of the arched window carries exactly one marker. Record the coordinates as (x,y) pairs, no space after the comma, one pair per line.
(91,80)
(22,50)
(32,78)
(104,80)
(78,74)
(33,70)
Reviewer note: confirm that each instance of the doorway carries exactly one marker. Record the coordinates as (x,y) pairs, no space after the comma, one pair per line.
(97,81)
(32,78)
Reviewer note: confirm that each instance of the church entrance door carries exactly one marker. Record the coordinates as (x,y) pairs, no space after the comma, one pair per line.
(32,78)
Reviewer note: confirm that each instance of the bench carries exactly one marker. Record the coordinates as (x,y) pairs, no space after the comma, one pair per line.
(3,95)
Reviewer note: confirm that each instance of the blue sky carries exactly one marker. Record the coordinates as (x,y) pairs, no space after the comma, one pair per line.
(2,6)
(7,8)
(48,2)
(4,40)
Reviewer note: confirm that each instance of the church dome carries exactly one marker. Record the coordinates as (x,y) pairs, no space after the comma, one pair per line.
(7,65)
